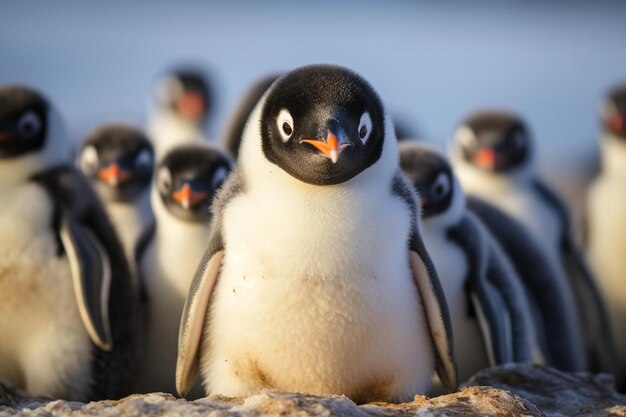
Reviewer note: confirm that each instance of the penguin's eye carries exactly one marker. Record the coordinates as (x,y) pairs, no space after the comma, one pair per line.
(365,127)
(89,160)
(284,122)
(29,125)
(441,186)
(218,178)
(164,181)
(143,161)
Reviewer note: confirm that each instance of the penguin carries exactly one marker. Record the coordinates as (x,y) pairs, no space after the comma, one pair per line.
(181,105)
(118,160)
(606,221)
(492,321)
(558,335)
(231,139)
(494,157)
(69,306)
(316,278)
(185,183)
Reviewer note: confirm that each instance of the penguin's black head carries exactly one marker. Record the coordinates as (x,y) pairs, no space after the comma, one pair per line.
(23,121)
(322,124)
(119,160)
(186,92)
(431,175)
(494,141)
(187,179)
(613,115)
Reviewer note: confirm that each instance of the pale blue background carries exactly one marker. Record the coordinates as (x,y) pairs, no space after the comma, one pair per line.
(432,62)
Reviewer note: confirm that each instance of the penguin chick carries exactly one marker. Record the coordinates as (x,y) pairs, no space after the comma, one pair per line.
(231,139)
(606,221)
(492,320)
(181,104)
(69,306)
(493,156)
(185,184)
(316,278)
(119,160)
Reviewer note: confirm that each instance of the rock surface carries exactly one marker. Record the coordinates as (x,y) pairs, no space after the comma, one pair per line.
(512,390)
(557,393)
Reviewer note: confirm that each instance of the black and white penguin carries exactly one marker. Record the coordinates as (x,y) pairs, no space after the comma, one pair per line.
(606,219)
(186,181)
(231,138)
(493,156)
(119,160)
(559,335)
(180,107)
(492,320)
(69,307)
(316,278)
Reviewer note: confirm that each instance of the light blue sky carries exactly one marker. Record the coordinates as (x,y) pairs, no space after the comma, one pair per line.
(432,62)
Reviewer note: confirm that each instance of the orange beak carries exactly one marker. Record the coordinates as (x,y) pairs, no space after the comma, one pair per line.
(191,105)
(485,158)
(329,148)
(114,175)
(188,198)
(616,122)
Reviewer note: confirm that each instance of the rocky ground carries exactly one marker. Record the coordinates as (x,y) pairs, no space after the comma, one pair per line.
(510,390)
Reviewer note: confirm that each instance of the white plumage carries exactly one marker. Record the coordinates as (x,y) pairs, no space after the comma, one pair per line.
(302,260)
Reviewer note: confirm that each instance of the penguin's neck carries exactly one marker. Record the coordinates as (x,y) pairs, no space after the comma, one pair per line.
(476,180)
(613,154)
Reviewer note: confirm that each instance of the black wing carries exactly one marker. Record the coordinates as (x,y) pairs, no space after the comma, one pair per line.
(495,294)
(559,336)
(430,291)
(104,284)
(593,314)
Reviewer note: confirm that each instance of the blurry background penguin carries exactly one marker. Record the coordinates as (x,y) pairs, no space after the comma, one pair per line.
(69,307)
(606,218)
(492,320)
(180,107)
(559,335)
(231,139)
(119,160)
(186,180)
(494,158)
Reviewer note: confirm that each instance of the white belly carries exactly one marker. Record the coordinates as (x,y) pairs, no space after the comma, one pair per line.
(452,268)
(167,269)
(317,296)
(130,221)
(44,347)
(607,250)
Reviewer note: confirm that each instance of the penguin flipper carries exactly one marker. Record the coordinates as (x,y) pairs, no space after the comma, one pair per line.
(491,309)
(594,316)
(429,289)
(91,276)
(192,320)
(197,303)
(540,281)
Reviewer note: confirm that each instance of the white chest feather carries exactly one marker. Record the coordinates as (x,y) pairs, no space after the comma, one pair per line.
(316,279)
(167,269)
(130,220)
(44,347)
(606,217)
(452,266)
